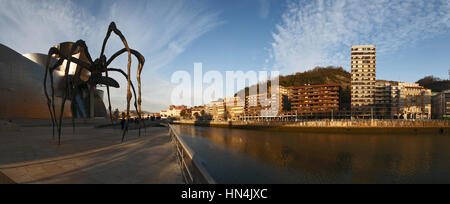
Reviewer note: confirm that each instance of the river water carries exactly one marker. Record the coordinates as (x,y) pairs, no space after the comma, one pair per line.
(261,156)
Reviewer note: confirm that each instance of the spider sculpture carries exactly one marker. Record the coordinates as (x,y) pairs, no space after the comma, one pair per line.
(96,69)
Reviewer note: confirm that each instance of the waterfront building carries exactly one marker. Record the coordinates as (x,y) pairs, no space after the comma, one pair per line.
(220,110)
(310,99)
(402,100)
(363,73)
(441,105)
(280,99)
(215,110)
(173,111)
(385,93)
(208,109)
(163,114)
(414,101)
(152,115)
(254,106)
(234,108)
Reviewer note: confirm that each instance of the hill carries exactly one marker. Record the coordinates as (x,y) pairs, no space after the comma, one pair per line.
(434,83)
(319,75)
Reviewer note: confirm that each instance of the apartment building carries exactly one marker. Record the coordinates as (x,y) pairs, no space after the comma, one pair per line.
(414,101)
(402,100)
(234,108)
(215,110)
(384,96)
(252,105)
(257,104)
(314,98)
(363,73)
(173,111)
(441,105)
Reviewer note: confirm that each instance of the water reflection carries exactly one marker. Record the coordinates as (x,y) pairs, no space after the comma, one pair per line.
(257,156)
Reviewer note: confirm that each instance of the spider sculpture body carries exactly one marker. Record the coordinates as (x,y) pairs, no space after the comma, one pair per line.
(96,68)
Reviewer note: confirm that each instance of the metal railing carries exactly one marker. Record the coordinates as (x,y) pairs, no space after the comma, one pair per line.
(192,169)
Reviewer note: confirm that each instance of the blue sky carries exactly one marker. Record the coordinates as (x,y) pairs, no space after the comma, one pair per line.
(412,36)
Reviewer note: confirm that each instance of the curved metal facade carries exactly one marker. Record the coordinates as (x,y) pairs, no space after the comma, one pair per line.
(22,90)
(21,87)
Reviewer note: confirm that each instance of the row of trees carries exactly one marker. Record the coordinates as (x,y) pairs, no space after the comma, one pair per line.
(185,114)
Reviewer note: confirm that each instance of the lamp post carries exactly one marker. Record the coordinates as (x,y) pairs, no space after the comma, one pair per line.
(332,116)
(371,113)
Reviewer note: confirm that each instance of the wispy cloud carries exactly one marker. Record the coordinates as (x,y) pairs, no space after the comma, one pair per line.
(264,8)
(320,32)
(34,26)
(160,30)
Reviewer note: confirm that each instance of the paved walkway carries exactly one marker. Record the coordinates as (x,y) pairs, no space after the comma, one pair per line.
(91,155)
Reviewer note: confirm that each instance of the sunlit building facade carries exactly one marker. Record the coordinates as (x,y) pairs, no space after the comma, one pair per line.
(314,98)
(234,108)
(402,100)
(414,101)
(270,103)
(363,73)
(173,111)
(441,105)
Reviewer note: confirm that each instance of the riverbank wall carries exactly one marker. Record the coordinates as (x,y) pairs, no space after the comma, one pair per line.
(342,126)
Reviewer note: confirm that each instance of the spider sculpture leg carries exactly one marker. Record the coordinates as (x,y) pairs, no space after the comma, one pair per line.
(50,102)
(139,99)
(109,99)
(77,44)
(141,61)
(76,79)
(132,87)
(113,28)
(62,58)
(51,52)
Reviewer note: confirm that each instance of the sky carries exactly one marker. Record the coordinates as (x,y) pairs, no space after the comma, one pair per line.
(412,36)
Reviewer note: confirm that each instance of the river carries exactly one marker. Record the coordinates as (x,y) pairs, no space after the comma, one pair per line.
(262,156)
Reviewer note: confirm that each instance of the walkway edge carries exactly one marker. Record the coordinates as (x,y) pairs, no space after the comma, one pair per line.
(192,168)
(5,179)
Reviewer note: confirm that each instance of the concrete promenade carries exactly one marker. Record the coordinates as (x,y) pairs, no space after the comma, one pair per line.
(91,155)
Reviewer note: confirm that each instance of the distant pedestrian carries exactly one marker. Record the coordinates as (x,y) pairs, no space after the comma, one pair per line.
(122,123)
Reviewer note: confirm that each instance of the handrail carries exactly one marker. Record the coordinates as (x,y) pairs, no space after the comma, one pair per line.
(192,169)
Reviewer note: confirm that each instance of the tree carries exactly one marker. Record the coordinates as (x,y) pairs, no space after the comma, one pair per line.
(184,114)
(202,113)
(197,116)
